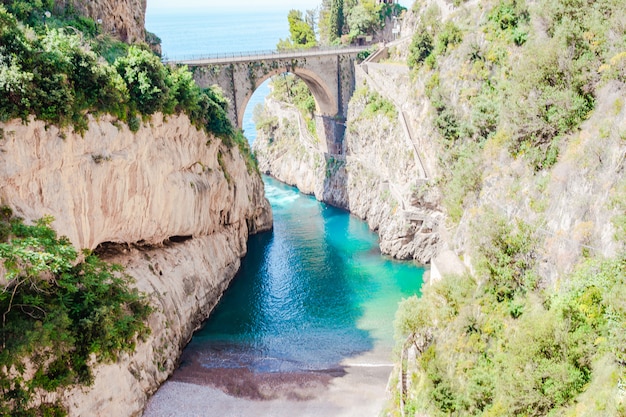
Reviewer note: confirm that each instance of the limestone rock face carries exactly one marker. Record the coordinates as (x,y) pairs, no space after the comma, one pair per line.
(387,182)
(379,176)
(186,280)
(113,185)
(123,18)
(181,204)
(574,205)
(292,155)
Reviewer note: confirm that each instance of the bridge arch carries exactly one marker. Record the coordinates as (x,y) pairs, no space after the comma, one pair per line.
(325,102)
(329,74)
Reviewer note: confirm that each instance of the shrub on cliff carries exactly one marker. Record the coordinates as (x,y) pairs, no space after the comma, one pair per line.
(288,88)
(210,112)
(57,313)
(29,11)
(540,65)
(146,79)
(57,77)
(53,77)
(374,104)
(497,345)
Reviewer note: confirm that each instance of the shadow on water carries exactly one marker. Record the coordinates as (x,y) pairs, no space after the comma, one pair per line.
(309,295)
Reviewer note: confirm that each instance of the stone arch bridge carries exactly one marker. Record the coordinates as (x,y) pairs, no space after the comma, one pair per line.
(328,72)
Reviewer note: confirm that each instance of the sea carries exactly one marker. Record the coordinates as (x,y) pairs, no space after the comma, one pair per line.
(188,34)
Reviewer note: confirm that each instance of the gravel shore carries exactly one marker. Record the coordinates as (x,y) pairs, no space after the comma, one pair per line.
(356,388)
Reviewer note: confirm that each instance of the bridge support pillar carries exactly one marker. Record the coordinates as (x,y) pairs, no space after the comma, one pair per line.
(330,130)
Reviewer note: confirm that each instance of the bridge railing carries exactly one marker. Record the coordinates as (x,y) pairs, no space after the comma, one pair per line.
(267,53)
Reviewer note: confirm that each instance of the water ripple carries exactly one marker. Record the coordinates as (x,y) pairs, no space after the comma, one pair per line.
(310,294)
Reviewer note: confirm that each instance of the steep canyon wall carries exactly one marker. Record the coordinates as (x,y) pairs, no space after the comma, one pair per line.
(390,171)
(179,206)
(381,174)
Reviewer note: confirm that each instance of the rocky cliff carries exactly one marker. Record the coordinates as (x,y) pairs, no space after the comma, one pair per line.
(380,175)
(172,204)
(521,123)
(290,153)
(124,19)
(394,174)
(113,185)
(570,200)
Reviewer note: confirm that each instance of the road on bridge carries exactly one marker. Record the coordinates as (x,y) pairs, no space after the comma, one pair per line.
(265,55)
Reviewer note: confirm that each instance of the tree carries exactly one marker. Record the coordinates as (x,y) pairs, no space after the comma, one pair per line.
(311,18)
(336,19)
(323,24)
(361,20)
(302,33)
(348,5)
(421,47)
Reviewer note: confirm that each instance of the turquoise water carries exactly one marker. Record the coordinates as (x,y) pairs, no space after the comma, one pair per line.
(315,290)
(309,294)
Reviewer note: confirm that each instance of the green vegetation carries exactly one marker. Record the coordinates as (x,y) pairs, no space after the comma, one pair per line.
(244,149)
(499,345)
(290,89)
(58,315)
(220,161)
(463,179)
(337,22)
(265,122)
(302,33)
(335,19)
(507,340)
(421,47)
(375,104)
(524,90)
(52,71)
(509,21)
(33,14)
(342,21)
(432,39)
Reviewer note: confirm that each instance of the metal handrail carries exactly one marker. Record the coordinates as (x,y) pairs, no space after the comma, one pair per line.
(266,54)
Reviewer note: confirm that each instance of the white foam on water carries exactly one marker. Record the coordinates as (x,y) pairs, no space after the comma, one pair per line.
(278,197)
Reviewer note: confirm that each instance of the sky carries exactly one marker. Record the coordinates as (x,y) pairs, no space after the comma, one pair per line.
(244,5)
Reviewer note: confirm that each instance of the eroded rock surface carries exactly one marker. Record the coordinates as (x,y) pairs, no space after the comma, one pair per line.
(170,203)
(123,18)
